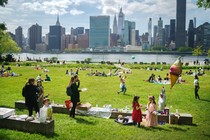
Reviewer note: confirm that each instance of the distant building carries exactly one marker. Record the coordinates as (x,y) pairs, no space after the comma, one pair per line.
(87,31)
(35,36)
(191,33)
(19,36)
(203,36)
(138,41)
(41,47)
(121,18)
(83,41)
(180,23)
(155,35)
(150,31)
(129,33)
(172,30)
(115,25)
(160,32)
(55,36)
(99,34)
(113,40)
(167,35)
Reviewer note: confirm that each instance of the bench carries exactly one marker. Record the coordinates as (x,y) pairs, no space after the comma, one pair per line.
(57,108)
(28,126)
(184,118)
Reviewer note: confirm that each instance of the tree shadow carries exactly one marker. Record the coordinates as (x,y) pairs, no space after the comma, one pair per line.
(205,100)
(84,121)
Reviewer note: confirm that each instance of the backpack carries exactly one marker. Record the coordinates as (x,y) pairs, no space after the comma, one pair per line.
(24,91)
(69,91)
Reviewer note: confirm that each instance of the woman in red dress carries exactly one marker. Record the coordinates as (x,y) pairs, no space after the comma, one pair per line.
(136,114)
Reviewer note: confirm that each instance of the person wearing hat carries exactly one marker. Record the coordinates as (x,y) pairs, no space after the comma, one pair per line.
(151,117)
(46,111)
(136,114)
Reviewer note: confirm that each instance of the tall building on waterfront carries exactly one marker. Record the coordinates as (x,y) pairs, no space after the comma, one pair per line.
(55,36)
(129,33)
(150,31)
(115,25)
(35,36)
(167,35)
(99,33)
(19,36)
(203,36)
(121,18)
(191,34)
(160,32)
(172,30)
(155,35)
(180,23)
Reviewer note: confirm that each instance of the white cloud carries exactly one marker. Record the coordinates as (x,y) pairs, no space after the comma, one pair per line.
(76,12)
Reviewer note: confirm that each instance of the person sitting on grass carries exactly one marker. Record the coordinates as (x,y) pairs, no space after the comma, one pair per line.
(47,78)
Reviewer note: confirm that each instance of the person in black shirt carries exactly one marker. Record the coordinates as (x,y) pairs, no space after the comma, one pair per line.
(75,97)
(30,91)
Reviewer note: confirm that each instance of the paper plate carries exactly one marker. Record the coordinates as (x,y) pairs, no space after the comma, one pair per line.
(83,89)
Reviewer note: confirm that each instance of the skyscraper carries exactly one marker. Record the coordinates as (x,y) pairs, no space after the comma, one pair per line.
(35,36)
(19,36)
(191,34)
(99,34)
(115,25)
(155,35)
(150,31)
(121,18)
(180,23)
(129,33)
(172,30)
(160,32)
(55,36)
(203,36)
(167,35)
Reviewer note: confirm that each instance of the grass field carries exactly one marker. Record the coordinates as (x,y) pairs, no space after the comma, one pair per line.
(103,90)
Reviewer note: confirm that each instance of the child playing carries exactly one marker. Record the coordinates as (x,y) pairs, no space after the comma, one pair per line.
(136,114)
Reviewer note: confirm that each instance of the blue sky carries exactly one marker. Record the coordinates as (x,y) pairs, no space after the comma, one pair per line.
(76,13)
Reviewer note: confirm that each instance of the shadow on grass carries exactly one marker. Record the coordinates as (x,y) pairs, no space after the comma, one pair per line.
(205,100)
(55,135)
(6,106)
(84,121)
(154,128)
(127,95)
(177,128)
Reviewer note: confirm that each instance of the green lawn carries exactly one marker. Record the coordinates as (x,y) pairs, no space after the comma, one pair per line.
(103,90)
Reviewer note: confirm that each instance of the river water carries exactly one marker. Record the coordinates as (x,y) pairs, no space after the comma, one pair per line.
(98,57)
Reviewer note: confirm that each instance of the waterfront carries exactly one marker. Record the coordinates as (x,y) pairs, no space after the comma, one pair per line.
(98,57)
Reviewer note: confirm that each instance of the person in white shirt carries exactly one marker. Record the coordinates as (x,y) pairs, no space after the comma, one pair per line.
(197,87)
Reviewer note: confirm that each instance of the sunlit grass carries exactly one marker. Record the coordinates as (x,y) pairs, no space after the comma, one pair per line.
(103,90)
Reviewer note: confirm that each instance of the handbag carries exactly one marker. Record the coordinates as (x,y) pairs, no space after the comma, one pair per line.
(69,91)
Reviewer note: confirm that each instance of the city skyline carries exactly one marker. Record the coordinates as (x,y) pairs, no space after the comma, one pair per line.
(76,13)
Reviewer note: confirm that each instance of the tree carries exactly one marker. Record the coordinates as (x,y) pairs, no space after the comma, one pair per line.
(203,3)
(7,44)
(197,51)
(208,53)
(3,2)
